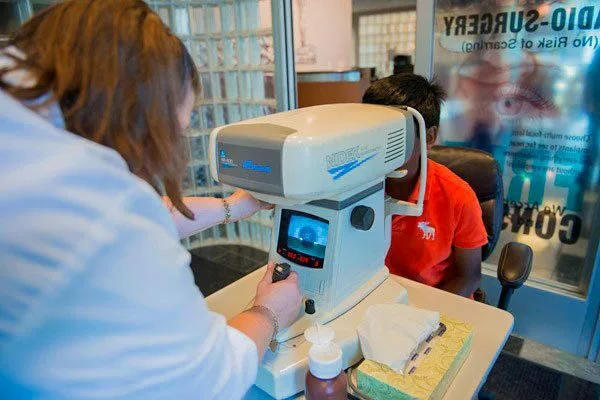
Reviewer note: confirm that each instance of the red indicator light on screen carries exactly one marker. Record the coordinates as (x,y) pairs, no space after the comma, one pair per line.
(317,263)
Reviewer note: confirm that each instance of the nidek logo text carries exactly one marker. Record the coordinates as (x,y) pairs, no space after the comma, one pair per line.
(342,162)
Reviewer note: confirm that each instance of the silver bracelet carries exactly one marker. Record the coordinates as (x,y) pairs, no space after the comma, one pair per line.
(227,211)
(267,312)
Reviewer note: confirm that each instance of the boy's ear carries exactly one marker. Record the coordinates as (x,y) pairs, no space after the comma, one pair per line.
(432,134)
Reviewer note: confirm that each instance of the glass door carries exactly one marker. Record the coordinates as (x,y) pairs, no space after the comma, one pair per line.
(522,82)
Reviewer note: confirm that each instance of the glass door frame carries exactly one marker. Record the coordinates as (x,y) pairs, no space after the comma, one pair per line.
(283,45)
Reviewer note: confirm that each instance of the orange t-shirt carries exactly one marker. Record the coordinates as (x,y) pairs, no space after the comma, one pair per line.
(421,247)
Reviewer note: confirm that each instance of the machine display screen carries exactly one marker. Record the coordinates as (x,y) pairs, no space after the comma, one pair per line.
(303,238)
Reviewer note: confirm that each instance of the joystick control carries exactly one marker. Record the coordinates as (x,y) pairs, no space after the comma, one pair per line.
(281,272)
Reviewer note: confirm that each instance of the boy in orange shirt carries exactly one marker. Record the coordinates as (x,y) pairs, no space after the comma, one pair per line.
(442,247)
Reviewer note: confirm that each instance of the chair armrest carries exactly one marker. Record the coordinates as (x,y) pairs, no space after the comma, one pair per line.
(513,269)
(514,265)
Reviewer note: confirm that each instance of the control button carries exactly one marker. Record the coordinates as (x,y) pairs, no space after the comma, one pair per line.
(362,218)
(309,306)
(281,272)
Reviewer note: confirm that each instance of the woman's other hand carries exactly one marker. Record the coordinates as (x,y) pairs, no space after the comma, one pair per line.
(244,205)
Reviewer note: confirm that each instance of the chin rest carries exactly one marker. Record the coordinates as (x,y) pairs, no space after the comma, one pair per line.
(481,171)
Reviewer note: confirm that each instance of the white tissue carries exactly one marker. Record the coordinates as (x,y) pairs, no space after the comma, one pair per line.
(390,333)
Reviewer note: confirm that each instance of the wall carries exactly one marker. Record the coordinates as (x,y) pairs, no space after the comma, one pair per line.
(323,34)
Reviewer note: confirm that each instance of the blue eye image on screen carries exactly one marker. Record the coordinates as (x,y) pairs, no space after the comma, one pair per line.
(307,235)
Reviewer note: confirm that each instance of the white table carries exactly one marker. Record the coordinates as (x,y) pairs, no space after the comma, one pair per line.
(491,327)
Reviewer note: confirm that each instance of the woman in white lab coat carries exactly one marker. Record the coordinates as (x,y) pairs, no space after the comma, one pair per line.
(96,296)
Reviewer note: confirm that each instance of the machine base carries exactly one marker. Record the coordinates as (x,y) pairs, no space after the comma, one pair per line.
(282,374)
(306,321)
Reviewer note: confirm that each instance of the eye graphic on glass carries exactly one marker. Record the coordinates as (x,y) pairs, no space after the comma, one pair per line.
(510,106)
(509,90)
(513,101)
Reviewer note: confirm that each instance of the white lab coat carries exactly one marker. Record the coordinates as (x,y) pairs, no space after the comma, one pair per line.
(97,299)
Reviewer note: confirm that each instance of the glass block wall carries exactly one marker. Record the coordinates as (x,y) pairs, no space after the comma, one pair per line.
(232,44)
(382,36)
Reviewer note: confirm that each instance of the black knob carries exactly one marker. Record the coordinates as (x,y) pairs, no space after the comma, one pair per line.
(362,217)
(281,272)
(309,306)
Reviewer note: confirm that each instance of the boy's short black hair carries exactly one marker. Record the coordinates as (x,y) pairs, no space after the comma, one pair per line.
(408,90)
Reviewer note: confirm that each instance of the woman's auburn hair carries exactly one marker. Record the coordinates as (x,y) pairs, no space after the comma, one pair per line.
(119,75)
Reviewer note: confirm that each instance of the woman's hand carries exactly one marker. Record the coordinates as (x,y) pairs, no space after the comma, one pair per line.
(283,298)
(244,205)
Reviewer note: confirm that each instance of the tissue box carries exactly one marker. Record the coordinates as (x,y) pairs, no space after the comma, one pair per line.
(431,378)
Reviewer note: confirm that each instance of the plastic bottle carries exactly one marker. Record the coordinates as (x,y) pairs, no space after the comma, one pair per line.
(325,379)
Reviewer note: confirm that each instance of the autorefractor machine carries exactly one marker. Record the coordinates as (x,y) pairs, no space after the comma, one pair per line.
(324,168)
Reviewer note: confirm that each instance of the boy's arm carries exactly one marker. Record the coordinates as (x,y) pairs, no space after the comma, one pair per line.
(468,272)
(469,236)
